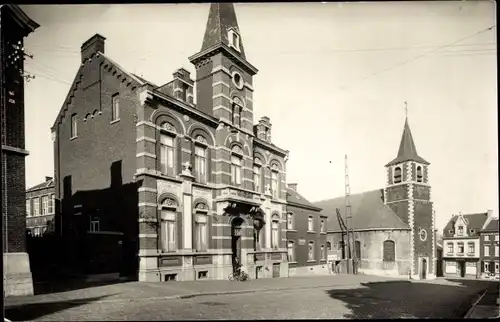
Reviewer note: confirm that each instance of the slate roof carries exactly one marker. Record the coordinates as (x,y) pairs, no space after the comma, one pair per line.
(407,149)
(296,199)
(475,221)
(492,226)
(368,212)
(46,184)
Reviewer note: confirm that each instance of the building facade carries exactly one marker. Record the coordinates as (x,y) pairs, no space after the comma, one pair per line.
(461,245)
(489,248)
(195,187)
(40,208)
(15,26)
(394,226)
(306,230)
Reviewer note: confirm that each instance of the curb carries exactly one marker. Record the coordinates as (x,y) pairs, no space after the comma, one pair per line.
(474,304)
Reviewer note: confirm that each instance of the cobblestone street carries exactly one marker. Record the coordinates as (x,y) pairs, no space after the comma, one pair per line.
(325,297)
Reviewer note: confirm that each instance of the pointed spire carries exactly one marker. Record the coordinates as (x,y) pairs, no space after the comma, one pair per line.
(221,19)
(407,149)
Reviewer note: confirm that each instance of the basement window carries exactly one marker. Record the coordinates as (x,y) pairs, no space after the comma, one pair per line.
(202,275)
(170,277)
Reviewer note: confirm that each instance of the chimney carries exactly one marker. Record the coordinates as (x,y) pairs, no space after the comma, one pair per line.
(490,213)
(293,186)
(48,178)
(92,46)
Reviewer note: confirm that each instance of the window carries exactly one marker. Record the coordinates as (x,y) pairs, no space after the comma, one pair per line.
(291,257)
(460,230)
(471,248)
(167,154)
(389,251)
(496,250)
(496,268)
(486,267)
(52,204)
(201,233)
(486,250)
(460,248)
(184,91)
(115,109)
(322,226)
(275,183)
(323,252)
(28,207)
(275,234)
(200,163)
(289,221)
(357,249)
(310,255)
(74,126)
(256,178)
(310,223)
(45,205)
(94,225)
(235,170)
(36,206)
(496,237)
(234,40)
(328,246)
(397,175)
(450,248)
(168,231)
(261,235)
(419,174)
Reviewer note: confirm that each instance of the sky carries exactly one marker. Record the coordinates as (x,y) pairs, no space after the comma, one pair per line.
(333,78)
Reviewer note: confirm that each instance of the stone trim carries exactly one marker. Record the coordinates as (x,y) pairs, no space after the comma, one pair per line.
(147,220)
(145,154)
(146,189)
(148,235)
(15,150)
(220,83)
(145,138)
(148,204)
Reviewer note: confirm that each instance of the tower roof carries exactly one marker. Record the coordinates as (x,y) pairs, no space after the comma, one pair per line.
(407,150)
(221,19)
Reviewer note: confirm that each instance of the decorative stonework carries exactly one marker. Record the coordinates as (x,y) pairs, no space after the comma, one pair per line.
(168,126)
(169,202)
(237,101)
(201,139)
(237,149)
(186,118)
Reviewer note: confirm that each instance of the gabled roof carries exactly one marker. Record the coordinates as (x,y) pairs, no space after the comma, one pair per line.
(293,198)
(43,185)
(368,212)
(407,149)
(221,18)
(474,221)
(492,226)
(20,17)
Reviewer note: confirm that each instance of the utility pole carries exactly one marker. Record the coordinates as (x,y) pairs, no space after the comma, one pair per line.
(348,214)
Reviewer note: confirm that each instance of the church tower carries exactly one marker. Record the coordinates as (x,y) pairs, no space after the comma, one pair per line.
(223,75)
(408,194)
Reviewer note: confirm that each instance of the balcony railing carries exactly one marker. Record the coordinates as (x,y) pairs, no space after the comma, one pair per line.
(449,254)
(471,254)
(460,254)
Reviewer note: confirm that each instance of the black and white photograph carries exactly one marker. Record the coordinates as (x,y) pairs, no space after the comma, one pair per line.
(249,160)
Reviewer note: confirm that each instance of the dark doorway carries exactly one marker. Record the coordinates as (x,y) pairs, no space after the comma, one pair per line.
(424,269)
(461,268)
(276,270)
(236,241)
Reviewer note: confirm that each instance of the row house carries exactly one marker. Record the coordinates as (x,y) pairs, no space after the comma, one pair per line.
(180,170)
(489,241)
(306,230)
(40,207)
(461,245)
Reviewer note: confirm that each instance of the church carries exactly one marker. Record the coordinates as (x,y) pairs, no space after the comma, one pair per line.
(393,226)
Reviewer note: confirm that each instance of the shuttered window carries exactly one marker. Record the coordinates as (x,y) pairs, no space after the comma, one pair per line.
(389,251)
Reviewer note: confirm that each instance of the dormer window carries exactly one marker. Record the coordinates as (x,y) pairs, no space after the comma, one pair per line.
(460,230)
(397,175)
(234,39)
(419,174)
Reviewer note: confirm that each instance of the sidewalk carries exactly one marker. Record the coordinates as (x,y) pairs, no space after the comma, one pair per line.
(487,306)
(136,291)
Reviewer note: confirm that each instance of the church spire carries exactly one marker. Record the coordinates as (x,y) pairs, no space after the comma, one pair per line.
(407,149)
(222,28)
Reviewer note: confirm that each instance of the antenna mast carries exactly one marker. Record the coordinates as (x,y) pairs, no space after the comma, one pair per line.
(348,214)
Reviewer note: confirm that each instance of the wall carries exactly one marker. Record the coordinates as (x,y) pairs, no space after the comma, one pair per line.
(40,221)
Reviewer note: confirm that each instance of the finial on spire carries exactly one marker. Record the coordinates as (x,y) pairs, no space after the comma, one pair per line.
(406,109)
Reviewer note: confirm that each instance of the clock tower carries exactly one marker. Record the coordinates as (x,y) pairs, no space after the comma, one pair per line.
(407,193)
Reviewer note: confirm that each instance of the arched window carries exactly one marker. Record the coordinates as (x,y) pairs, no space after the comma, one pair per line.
(275,226)
(201,232)
(237,105)
(289,221)
(200,159)
(168,226)
(167,149)
(236,160)
(74,126)
(291,251)
(328,246)
(397,175)
(419,174)
(257,174)
(275,181)
(357,249)
(389,251)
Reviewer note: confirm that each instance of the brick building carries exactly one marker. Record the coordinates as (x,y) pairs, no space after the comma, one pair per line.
(15,25)
(40,207)
(461,247)
(489,248)
(393,226)
(306,235)
(185,176)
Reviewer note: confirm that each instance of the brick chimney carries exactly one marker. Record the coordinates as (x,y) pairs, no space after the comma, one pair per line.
(490,213)
(263,129)
(92,46)
(48,178)
(293,186)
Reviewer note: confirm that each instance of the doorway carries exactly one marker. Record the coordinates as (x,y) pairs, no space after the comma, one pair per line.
(424,269)
(236,242)
(276,270)
(461,268)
